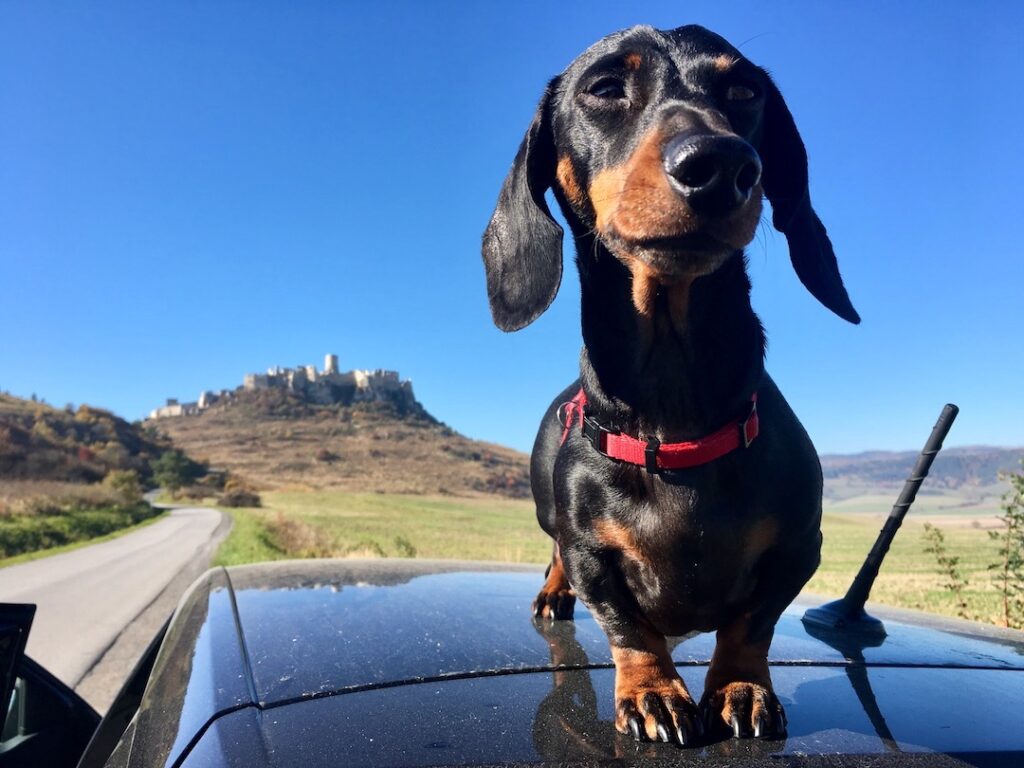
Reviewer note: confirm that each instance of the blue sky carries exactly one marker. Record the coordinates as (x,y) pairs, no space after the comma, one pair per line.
(191,191)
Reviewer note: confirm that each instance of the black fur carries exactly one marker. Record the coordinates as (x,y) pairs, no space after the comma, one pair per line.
(523,243)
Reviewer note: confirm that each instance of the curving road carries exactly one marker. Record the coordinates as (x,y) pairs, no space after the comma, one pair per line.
(88,598)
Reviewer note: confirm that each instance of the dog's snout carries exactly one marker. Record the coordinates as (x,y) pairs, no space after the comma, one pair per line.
(715,174)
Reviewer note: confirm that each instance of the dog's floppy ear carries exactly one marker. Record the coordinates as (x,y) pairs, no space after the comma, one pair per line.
(522,246)
(784,178)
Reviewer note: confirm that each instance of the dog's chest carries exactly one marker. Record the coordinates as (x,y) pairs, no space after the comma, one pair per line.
(688,560)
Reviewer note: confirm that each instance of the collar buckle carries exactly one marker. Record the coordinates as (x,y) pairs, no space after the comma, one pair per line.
(593,431)
(651,455)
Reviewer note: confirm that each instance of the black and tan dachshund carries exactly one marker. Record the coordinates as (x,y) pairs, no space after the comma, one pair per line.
(681,491)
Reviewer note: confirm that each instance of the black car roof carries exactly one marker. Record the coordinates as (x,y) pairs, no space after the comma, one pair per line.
(286,639)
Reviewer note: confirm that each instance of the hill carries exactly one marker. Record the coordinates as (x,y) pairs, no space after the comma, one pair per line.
(277,438)
(280,438)
(39,442)
(67,476)
(961,481)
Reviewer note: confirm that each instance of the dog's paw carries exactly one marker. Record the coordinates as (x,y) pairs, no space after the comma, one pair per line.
(661,711)
(745,709)
(554,603)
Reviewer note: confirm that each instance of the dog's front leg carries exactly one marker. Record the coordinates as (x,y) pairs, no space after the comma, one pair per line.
(556,598)
(651,700)
(738,692)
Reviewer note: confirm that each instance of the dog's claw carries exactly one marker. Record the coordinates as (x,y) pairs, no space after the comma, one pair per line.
(759,726)
(554,605)
(665,714)
(745,709)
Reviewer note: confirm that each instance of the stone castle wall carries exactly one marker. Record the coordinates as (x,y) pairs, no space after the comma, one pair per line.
(323,387)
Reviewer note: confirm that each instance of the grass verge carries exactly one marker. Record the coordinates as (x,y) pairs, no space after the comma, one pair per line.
(340,524)
(26,557)
(20,534)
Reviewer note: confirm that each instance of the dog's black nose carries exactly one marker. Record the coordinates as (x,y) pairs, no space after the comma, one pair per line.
(715,174)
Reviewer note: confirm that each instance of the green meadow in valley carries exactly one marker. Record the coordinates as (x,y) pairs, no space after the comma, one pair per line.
(340,524)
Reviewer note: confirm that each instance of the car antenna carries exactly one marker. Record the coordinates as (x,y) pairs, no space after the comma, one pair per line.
(848,613)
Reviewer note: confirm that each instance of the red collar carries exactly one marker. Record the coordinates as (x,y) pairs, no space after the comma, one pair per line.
(652,454)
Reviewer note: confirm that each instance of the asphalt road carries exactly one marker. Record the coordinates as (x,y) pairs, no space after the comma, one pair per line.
(88,598)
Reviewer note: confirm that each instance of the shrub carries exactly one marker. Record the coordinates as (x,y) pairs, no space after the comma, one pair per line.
(1009,570)
(404,547)
(298,538)
(239,497)
(173,470)
(935,544)
(28,533)
(125,483)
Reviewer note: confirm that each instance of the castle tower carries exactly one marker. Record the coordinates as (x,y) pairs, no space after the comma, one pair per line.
(330,364)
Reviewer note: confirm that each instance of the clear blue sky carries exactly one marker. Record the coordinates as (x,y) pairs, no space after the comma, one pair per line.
(190,191)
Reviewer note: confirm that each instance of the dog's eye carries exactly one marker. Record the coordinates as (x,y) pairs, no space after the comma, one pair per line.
(608,88)
(740,93)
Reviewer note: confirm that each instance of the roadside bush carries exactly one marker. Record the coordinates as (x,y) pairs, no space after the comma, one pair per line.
(239,498)
(125,483)
(29,533)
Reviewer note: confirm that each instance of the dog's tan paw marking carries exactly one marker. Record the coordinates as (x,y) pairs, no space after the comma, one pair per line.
(747,709)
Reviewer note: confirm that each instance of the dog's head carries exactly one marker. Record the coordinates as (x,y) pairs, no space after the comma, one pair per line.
(661,144)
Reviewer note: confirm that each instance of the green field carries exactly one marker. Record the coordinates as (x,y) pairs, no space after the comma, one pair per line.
(336,524)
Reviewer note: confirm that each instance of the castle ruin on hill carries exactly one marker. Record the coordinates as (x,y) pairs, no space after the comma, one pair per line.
(324,387)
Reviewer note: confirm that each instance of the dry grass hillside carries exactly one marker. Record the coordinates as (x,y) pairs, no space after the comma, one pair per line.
(274,439)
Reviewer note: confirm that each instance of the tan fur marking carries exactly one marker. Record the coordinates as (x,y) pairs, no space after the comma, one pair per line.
(645,287)
(724,62)
(635,200)
(566,175)
(761,538)
(737,658)
(619,537)
(635,203)
(679,303)
(605,190)
(738,680)
(648,205)
(639,672)
(633,61)
(556,587)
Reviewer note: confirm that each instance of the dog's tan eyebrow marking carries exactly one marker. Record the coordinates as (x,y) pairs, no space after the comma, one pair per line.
(633,61)
(566,175)
(724,62)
